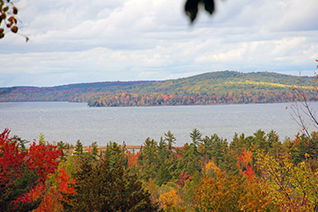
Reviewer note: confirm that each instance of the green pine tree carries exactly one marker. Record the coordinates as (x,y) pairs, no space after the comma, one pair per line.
(78,148)
(104,187)
(163,175)
(170,138)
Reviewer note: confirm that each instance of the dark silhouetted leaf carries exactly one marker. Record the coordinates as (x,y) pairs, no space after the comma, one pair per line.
(209,6)
(191,9)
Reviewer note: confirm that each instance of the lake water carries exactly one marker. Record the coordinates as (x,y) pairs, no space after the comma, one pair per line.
(72,121)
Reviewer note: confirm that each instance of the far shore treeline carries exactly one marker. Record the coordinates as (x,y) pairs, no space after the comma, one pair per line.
(224,87)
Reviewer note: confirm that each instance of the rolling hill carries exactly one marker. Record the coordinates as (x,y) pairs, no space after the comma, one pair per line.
(224,87)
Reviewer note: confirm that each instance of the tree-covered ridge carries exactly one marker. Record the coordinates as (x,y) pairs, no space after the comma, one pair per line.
(224,87)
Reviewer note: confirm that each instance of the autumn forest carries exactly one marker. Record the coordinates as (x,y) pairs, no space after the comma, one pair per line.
(250,173)
(225,87)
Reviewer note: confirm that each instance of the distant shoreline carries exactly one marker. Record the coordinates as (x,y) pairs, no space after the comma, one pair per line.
(130,148)
(212,88)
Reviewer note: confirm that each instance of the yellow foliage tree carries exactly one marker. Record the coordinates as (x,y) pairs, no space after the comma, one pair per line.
(211,168)
(291,187)
(153,189)
(170,201)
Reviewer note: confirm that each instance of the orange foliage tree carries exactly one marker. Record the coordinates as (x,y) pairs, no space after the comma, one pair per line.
(52,195)
(223,192)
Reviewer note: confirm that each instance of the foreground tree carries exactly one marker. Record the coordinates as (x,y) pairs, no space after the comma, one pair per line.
(51,192)
(292,187)
(107,187)
(22,172)
(221,191)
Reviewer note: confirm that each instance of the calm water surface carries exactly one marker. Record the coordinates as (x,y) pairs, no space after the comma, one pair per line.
(72,121)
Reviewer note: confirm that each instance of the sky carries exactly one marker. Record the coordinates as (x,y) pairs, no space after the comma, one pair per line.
(76,41)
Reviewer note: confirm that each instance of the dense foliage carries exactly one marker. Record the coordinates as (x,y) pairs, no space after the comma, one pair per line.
(23,171)
(251,173)
(107,187)
(226,87)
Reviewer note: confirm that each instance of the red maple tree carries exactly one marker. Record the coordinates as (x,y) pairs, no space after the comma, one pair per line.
(23,171)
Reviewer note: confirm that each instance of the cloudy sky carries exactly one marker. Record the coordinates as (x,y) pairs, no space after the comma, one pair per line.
(74,41)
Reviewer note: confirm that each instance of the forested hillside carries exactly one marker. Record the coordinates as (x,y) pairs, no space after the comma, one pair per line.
(226,87)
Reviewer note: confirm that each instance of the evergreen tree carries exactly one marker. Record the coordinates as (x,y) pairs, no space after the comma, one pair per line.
(276,148)
(163,152)
(238,143)
(42,139)
(11,191)
(21,143)
(219,148)
(94,150)
(163,175)
(148,159)
(206,147)
(196,137)
(170,138)
(260,140)
(190,160)
(78,148)
(61,145)
(114,153)
(104,187)
(301,146)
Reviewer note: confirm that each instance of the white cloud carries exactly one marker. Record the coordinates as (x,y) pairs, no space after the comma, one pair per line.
(78,41)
